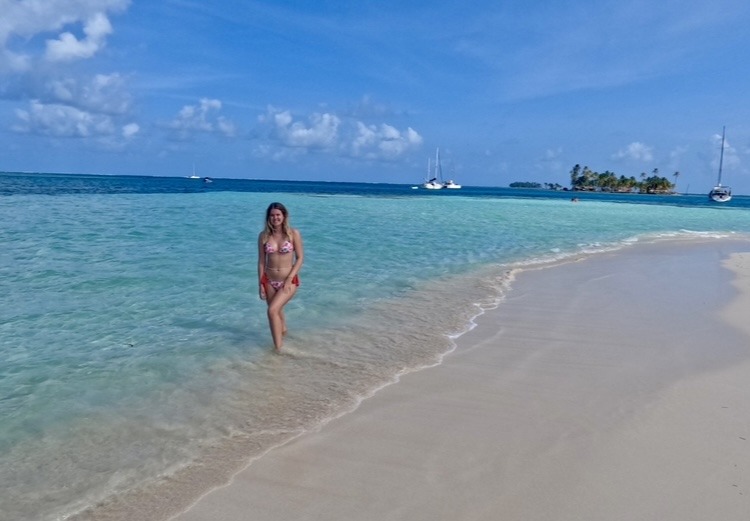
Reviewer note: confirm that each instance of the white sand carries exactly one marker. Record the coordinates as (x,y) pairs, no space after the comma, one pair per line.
(614,388)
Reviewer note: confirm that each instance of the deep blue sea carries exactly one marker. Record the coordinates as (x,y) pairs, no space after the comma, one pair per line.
(136,365)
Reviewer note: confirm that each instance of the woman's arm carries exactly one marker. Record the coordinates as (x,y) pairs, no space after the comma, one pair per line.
(261,266)
(299,253)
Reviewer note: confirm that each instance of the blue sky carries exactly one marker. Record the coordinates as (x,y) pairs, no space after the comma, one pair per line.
(366,90)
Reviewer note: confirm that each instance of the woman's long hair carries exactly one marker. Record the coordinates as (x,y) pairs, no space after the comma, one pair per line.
(285,227)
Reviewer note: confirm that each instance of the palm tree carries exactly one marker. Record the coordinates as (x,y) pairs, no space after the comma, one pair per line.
(588,176)
(675,175)
(574,173)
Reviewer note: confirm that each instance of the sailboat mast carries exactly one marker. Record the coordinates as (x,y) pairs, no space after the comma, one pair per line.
(438,171)
(721,156)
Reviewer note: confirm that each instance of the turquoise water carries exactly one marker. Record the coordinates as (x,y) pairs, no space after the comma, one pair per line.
(137,365)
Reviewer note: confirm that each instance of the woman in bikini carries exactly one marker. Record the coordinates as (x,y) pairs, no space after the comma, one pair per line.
(280,257)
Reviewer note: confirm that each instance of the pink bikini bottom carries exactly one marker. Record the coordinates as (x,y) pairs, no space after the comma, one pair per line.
(277,284)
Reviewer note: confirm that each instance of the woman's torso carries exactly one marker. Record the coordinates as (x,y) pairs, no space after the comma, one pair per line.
(279,251)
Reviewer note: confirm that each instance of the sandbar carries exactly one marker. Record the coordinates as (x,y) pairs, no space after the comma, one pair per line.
(615,387)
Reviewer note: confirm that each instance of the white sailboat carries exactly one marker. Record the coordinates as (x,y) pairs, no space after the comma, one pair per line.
(720,193)
(434,179)
(431,182)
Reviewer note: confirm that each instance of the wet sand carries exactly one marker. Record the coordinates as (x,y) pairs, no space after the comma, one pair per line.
(612,388)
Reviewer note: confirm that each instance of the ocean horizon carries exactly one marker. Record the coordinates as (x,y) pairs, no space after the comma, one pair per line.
(137,364)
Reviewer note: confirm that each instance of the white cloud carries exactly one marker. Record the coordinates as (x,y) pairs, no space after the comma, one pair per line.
(130,130)
(388,142)
(731,155)
(62,121)
(62,105)
(350,138)
(226,127)
(321,132)
(366,138)
(202,118)
(637,151)
(21,21)
(103,93)
(14,62)
(68,48)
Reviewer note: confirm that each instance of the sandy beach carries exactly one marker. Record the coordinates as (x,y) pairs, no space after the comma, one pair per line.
(616,387)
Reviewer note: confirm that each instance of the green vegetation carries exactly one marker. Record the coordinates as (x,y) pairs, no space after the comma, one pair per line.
(525,184)
(529,184)
(585,179)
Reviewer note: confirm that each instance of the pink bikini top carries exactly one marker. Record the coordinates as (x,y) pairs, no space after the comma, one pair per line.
(286,247)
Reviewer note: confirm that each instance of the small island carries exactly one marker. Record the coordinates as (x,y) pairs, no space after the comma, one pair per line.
(586,180)
(527,184)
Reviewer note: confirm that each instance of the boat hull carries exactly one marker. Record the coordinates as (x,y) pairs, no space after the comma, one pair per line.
(720,194)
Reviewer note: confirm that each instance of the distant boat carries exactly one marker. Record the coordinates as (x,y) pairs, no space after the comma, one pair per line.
(194,176)
(434,180)
(208,180)
(450,183)
(432,183)
(720,193)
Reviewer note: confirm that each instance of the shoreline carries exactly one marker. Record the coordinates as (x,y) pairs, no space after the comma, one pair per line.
(146,384)
(528,416)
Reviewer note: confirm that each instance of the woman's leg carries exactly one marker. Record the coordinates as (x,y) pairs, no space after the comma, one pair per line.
(276,319)
(283,323)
